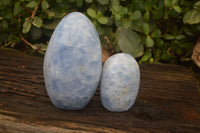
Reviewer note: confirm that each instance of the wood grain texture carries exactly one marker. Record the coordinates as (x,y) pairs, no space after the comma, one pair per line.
(167,102)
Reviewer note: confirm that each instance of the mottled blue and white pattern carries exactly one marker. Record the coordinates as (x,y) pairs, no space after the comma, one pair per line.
(120,82)
(73,62)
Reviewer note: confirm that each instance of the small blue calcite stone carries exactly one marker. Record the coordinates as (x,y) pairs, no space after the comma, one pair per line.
(73,62)
(119,82)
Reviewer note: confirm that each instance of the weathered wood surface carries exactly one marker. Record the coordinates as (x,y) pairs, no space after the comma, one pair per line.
(167,102)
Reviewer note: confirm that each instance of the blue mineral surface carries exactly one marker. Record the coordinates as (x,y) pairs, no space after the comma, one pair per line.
(119,82)
(73,62)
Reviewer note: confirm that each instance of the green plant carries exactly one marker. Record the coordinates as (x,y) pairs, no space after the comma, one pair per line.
(32,20)
(152,30)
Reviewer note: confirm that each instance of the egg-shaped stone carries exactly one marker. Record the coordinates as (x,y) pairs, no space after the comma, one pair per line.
(73,62)
(120,81)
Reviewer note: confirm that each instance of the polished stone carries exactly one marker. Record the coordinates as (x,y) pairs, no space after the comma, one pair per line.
(119,82)
(73,62)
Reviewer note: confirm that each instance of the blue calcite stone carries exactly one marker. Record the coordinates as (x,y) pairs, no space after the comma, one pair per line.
(73,62)
(119,82)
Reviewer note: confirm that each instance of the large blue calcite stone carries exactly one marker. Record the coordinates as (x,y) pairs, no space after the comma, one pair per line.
(73,62)
(119,82)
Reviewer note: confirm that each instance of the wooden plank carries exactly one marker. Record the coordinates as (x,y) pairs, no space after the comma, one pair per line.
(167,101)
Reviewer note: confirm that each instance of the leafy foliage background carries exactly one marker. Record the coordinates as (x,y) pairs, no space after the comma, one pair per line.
(152,30)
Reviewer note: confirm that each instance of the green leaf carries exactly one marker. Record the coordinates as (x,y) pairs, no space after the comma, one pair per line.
(188,31)
(88,1)
(52,25)
(91,12)
(99,14)
(159,42)
(45,4)
(47,32)
(157,14)
(129,42)
(147,55)
(116,9)
(135,15)
(6,44)
(179,37)
(114,3)
(118,23)
(177,9)
(123,11)
(17,9)
(149,41)
(146,16)
(37,21)
(4,24)
(117,17)
(35,33)
(166,15)
(44,47)
(103,2)
(126,23)
(156,33)
(31,4)
(151,60)
(187,45)
(139,5)
(56,13)
(94,23)
(9,41)
(5,2)
(192,17)
(169,37)
(146,28)
(173,13)
(165,55)
(79,3)
(161,4)
(100,29)
(148,5)
(50,13)
(137,25)
(197,5)
(174,2)
(103,20)
(168,3)
(26,26)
